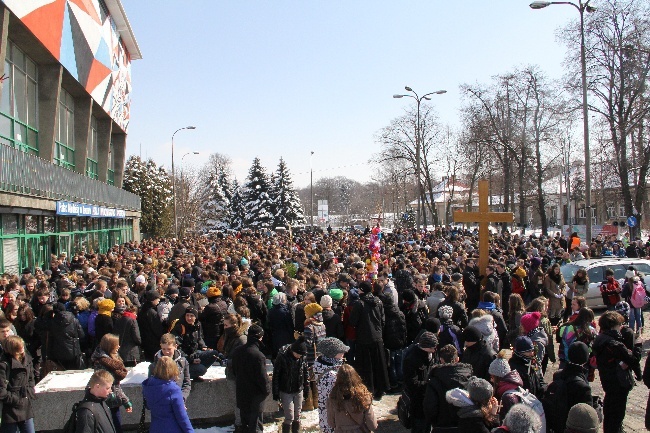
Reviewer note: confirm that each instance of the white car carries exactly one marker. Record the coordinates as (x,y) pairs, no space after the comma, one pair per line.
(596,273)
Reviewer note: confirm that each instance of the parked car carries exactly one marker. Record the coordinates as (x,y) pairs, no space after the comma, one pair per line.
(596,273)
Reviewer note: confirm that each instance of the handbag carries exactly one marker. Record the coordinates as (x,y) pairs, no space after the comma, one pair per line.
(404,413)
(142,428)
(362,426)
(625,377)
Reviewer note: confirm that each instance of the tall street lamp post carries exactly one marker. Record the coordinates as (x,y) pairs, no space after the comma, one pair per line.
(582,7)
(418,140)
(311,192)
(174,180)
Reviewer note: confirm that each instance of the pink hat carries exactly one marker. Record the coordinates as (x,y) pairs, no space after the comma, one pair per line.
(530,321)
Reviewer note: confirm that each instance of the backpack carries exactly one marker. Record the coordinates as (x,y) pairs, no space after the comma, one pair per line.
(610,292)
(532,402)
(448,334)
(404,413)
(638,295)
(555,401)
(395,331)
(517,285)
(71,424)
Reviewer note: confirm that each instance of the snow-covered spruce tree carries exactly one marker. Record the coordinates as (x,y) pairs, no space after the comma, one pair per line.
(153,185)
(286,203)
(256,199)
(236,207)
(216,212)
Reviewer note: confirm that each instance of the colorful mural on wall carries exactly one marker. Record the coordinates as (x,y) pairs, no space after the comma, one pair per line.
(83,37)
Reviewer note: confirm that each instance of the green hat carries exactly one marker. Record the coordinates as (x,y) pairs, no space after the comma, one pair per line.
(336,294)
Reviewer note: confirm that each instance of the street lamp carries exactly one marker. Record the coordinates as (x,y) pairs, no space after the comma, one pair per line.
(418,140)
(174,179)
(582,7)
(311,192)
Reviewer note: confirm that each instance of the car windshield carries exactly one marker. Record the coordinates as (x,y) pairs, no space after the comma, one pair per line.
(568,271)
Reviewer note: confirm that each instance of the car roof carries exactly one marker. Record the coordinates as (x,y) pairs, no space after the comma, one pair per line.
(590,263)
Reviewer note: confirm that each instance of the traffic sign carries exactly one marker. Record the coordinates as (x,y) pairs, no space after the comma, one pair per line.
(631,221)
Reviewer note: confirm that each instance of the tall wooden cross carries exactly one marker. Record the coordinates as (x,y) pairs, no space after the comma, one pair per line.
(483,217)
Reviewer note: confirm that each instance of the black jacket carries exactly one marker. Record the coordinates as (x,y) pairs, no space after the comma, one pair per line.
(126,328)
(395,327)
(577,387)
(443,378)
(249,368)
(415,316)
(16,388)
(415,369)
(151,329)
(610,349)
(280,326)
(289,373)
(479,356)
(459,316)
(189,338)
(103,326)
(530,373)
(333,324)
(368,319)
(211,319)
(62,335)
(93,416)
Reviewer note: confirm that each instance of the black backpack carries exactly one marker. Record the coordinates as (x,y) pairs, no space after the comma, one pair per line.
(71,424)
(555,402)
(395,331)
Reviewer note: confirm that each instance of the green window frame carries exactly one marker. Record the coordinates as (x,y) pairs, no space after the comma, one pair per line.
(92,169)
(19,102)
(110,179)
(64,143)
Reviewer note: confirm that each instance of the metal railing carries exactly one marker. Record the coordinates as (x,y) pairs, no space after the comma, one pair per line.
(26,174)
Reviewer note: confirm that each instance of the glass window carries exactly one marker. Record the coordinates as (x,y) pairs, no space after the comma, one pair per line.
(83,224)
(64,148)
(9,224)
(596,274)
(48,224)
(73,224)
(64,224)
(31,224)
(92,139)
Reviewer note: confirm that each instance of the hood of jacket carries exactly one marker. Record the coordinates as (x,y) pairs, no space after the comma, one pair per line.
(176,356)
(485,324)
(458,397)
(510,381)
(604,338)
(98,354)
(452,375)
(63,318)
(437,295)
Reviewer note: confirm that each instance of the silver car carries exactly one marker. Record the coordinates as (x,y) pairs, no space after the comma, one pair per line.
(596,273)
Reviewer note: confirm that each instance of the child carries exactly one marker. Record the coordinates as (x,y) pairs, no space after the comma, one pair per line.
(291,382)
(92,413)
(106,358)
(169,347)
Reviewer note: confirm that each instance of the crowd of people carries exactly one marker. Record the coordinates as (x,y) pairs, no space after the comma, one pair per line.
(466,347)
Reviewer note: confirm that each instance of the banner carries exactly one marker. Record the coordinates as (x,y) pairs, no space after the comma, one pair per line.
(69,208)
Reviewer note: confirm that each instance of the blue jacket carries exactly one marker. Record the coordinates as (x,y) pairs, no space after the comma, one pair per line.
(165,401)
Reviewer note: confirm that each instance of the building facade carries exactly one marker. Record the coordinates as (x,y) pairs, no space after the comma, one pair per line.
(64,118)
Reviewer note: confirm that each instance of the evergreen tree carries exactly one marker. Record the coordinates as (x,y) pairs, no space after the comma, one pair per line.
(217,208)
(257,203)
(153,185)
(287,208)
(237,207)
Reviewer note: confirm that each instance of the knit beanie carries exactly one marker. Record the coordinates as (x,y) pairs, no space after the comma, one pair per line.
(213,292)
(480,390)
(191,310)
(500,366)
(299,346)
(582,419)
(472,334)
(445,312)
(522,419)
(105,307)
(523,344)
(578,353)
(326,301)
(255,332)
(312,309)
(530,321)
(336,294)
(151,295)
(330,347)
(623,308)
(428,340)
(184,292)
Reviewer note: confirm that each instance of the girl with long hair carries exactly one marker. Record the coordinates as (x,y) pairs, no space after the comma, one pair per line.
(555,290)
(16,387)
(349,406)
(540,305)
(578,286)
(579,329)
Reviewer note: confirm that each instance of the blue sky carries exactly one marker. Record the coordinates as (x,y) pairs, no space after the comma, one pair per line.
(283,78)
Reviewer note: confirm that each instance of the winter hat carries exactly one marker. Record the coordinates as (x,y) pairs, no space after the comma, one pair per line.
(312,309)
(445,312)
(428,340)
(500,367)
(523,344)
(472,334)
(192,310)
(330,347)
(184,292)
(299,346)
(582,419)
(623,308)
(326,301)
(105,306)
(365,287)
(336,294)
(530,321)
(189,282)
(522,419)
(151,295)
(480,390)
(354,295)
(578,353)
(172,290)
(255,332)
(213,292)
(456,277)
(140,279)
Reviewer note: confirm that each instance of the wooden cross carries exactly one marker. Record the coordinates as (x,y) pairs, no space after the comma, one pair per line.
(483,217)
